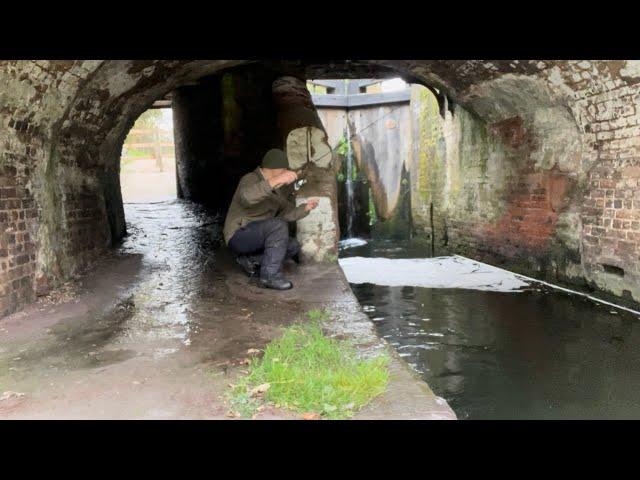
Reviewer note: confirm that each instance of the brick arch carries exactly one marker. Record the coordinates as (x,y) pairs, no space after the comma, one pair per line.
(64,123)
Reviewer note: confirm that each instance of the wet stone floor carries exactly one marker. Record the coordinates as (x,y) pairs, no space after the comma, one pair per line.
(538,353)
(160,327)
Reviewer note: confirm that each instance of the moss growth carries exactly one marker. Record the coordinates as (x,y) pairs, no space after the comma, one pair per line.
(230,108)
(432,155)
(371,213)
(342,147)
(331,258)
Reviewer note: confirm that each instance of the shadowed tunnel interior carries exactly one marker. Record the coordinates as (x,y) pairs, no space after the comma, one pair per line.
(529,164)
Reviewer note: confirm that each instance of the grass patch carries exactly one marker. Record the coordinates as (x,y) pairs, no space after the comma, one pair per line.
(309,372)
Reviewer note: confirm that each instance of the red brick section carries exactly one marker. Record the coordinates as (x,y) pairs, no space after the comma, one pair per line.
(17,248)
(531,215)
(535,199)
(87,232)
(528,225)
(513,133)
(532,204)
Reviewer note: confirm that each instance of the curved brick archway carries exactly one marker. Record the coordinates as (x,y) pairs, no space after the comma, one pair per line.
(567,130)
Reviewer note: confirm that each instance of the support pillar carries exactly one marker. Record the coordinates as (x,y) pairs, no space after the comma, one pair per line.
(199,142)
(303,135)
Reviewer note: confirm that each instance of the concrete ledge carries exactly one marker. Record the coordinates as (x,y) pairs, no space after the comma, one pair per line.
(324,285)
(361,100)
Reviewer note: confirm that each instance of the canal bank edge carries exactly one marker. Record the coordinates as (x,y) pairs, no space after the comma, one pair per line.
(407,397)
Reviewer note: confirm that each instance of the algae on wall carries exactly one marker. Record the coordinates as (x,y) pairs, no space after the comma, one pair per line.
(380,138)
(460,170)
(428,156)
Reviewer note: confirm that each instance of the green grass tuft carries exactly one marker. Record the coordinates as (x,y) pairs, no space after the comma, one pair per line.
(308,372)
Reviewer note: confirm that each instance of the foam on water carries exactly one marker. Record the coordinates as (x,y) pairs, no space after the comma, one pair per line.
(438,272)
(352,242)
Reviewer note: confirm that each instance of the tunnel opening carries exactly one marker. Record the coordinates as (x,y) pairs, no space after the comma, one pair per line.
(368,126)
(147,162)
(223,124)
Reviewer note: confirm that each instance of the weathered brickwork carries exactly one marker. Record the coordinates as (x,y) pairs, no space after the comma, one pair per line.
(548,150)
(489,198)
(606,102)
(17,248)
(566,204)
(534,200)
(35,96)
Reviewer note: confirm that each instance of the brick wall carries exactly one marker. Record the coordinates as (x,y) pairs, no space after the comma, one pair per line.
(546,192)
(490,199)
(17,243)
(607,100)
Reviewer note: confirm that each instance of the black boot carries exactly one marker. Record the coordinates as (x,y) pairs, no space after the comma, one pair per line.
(247,265)
(276,282)
(256,260)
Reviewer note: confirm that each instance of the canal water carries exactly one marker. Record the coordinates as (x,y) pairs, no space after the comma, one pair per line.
(499,348)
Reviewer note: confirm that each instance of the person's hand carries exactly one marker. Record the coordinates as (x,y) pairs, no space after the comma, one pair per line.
(285,178)
(311,204)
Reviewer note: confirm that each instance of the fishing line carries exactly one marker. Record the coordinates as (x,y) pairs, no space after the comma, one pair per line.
(332,149)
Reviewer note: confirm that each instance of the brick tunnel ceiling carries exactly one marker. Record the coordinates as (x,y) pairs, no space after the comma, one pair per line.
(109,95)
(105,97)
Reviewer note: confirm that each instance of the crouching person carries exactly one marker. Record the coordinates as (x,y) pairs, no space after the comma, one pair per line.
(257,224)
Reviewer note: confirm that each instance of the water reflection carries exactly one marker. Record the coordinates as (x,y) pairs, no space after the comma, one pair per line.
(178,241)
(536,354)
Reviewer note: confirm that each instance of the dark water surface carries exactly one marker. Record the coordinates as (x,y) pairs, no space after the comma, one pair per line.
(537,354)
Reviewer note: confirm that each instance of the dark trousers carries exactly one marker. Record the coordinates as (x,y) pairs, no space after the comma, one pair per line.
(269,237)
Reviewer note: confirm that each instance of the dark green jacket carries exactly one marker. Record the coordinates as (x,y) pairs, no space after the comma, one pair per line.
(256,200)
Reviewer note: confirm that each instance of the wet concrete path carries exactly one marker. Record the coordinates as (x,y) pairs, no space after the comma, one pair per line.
(161,326)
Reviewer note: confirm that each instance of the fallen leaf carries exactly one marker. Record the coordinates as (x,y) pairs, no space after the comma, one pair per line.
(253,351)
(7,395)
(230,414)
(260,389)
(311,416)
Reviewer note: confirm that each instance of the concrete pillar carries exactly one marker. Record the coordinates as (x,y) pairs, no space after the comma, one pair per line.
(199,142)
(304,138)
